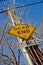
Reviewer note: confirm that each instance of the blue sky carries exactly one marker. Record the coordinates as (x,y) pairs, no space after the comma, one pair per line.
(33,13)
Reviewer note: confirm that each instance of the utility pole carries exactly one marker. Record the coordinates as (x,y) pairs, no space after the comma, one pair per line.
(15,21)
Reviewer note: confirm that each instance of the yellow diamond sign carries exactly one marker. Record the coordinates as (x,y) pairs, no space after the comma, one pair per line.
(21,30)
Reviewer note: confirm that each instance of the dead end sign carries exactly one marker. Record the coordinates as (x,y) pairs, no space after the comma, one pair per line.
(21,30)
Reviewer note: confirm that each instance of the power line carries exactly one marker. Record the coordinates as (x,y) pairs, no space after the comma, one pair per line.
(3,11)
(29,4)
(24,5)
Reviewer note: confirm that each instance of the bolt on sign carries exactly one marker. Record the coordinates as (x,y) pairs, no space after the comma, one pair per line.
(21,30)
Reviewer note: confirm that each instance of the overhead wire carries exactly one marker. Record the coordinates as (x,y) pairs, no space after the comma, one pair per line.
(25,5)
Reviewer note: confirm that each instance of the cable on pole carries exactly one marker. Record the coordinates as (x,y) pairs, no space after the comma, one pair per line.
(25,5)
